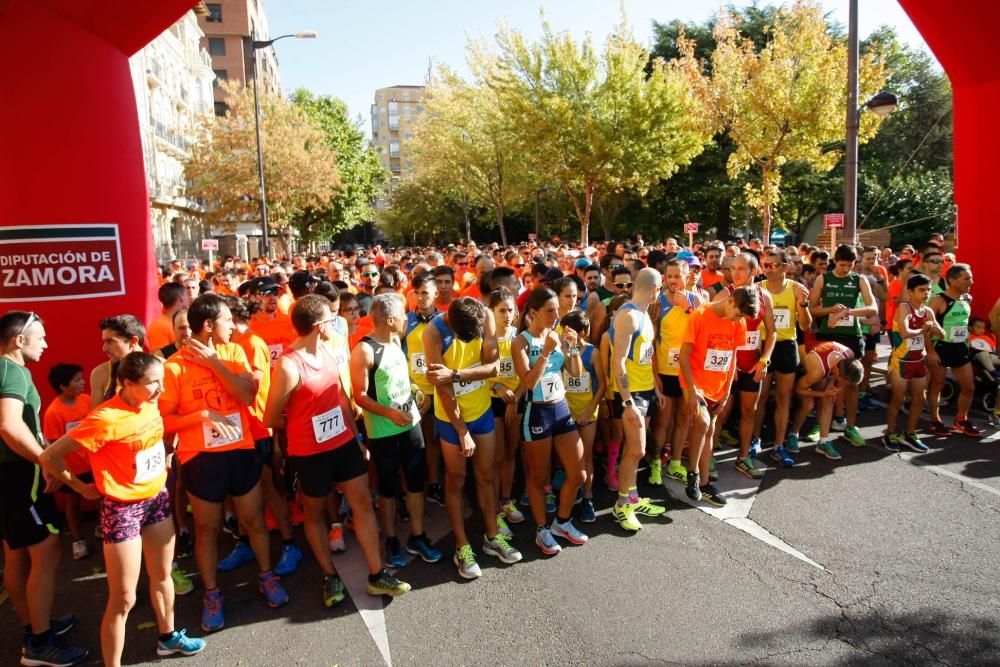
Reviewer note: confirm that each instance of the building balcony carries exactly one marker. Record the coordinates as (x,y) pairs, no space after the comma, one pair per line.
(170,138)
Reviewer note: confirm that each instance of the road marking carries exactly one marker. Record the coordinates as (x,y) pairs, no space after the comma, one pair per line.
(740,492)
(911,458)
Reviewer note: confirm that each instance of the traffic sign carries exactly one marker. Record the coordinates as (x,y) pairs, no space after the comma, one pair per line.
(833,221)
(690,227)
(532,237)
(210,244)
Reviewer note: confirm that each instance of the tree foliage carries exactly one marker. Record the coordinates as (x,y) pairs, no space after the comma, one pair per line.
(300,168)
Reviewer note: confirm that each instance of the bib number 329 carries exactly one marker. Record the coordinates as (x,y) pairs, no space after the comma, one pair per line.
(718,360)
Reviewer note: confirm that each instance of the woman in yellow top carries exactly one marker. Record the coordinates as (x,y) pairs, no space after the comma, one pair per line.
(124,437)
(506,391)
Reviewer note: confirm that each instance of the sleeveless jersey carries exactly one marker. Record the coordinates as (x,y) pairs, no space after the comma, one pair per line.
(843,291)
(909,349)
(670,334)
(473,396)
(315,415)
(413,347)
(549,388)
(955,320)
(388,385)
(824,349)
(784,311)
(639,358)
(580,391)
(505,373)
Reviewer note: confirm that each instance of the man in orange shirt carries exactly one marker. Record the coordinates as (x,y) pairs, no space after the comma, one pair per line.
(273,327)
(712,273)
(708,366)
(160,331)
(207,389)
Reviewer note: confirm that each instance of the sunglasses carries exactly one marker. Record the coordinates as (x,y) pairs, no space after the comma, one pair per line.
(623,285)
(370,274)
(32,317)
(329,320)
(462,264)
(926,261)
(772,265)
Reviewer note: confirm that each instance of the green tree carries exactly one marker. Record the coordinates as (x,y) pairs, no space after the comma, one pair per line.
(300,168)
(421,210)
(362,177)
(593,122)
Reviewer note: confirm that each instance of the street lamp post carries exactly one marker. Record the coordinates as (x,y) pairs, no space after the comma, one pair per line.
(255,46)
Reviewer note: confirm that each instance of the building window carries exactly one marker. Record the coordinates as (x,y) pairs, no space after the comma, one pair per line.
(216,46)
(220,75)
(214,12)
(406,97)
(394,149)
(221,108)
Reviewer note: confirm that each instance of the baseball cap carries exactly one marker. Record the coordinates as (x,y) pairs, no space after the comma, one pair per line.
(589,250)
(264,285)
(689,257)
(301,280)
(581,263)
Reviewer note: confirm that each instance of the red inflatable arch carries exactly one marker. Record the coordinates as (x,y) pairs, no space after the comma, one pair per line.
(75,238)
(962,37)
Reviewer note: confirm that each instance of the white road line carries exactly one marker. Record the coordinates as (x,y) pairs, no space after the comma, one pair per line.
(912,459)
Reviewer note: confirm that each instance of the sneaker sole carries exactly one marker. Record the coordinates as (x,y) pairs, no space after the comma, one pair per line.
(570,539)
(546,551)
(631,529)
(467,575)
(511,519)
(274,605)
(504,558)
(783,463)
(31,662)
(650,514)
(419,554)
(376,592)
(918,450)
(204,629)
(713,501)
(832,458)
(748,474)
(592,519)
(162,652)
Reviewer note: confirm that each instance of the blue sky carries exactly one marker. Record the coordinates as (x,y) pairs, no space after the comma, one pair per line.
(365,45)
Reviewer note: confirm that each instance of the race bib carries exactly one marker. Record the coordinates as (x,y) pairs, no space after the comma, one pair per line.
(329,424)
(782,318)
(410,408)
(150,462)
(718,360)
(418,363)
(71,425)
(959,334)
(275,351)
(215,439)
(580,385)
(506,367)
(552,387)
(465,387)
(915,344)
(977,344)
(645,353)
(674,358)
(846,321)
(752,340)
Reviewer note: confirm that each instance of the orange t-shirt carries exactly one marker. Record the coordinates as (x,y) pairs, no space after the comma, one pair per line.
(365,327)
(895,294)
(59,419)
(277,333)
(709,278)
(259,358)
(126,449)
(713,351)
(160,332)
(189,388)
(473,291)
(285,303)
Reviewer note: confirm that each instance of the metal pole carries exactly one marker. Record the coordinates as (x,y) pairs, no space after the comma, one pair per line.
(265,240)
(537,197)
(851,156)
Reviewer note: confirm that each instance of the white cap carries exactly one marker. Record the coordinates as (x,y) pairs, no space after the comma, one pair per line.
(589,250)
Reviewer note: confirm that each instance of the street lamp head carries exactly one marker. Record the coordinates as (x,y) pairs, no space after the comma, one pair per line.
(305,34)
(882,104)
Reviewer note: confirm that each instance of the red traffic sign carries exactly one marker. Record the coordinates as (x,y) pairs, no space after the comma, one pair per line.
(210,244)
(690,227)
(532,237)
(833,221)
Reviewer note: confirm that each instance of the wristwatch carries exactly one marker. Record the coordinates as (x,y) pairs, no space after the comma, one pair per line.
(455,377)
(628,403)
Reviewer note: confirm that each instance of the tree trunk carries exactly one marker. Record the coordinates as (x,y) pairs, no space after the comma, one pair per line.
(465,214)
(723,211)
(765,218)
(503,230)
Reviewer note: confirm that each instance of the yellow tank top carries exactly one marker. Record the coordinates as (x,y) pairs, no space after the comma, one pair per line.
(506,375)
(473,396)
(639,358)
(413,346)
(668,346)
(783,306)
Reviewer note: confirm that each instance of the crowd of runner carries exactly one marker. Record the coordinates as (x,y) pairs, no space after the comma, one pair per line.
(344,391)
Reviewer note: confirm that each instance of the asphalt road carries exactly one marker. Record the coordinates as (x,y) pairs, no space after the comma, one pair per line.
(875,559)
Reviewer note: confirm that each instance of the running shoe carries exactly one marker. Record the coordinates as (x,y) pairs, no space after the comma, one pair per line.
(728,439)
(550,502)
(289,561)
(754,446)
(241,554)
(781,455)
(394,557)
(647,508)
(336,538)
(558,479)
(387,584)
(80,549)
(693,488)
(711,495)
(63,624)
(179,642)
(913,441)
(792,443)
(568,532)
(677,470)
(655,472)
(503,527)
(500,547)
(853,436)
(966,427)
(865,402)
(813,434)
(713,472)
(587,513)
(625,516)
(420,545)
(938,428)
(270,585)
(838,424)
(333,590)
(511,512)
(53,653)
(435,493)
(611,479)
(891,442)
(465,561)
(402,514)
(184,546)
(182,584)
(231,526)
(212,618)
(547,543)
(828,450)
(748,468)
